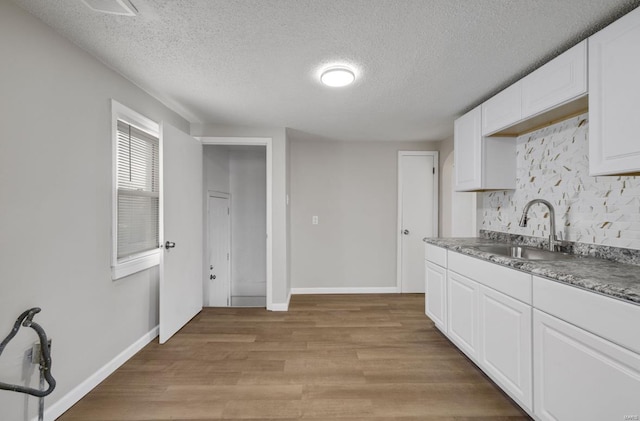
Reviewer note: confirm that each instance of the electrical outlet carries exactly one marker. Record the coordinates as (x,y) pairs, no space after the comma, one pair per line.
(314,220)
(35,354)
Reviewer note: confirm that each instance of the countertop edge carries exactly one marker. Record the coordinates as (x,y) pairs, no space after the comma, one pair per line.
(557,271)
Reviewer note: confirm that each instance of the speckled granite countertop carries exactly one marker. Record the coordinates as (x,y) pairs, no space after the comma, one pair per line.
(614,279)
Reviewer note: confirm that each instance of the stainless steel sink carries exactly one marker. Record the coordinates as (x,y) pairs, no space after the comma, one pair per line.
(527,253)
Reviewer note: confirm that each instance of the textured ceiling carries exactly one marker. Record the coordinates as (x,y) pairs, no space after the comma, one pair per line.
(420,63)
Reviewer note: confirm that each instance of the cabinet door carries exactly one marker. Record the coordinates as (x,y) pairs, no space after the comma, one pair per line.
(505,343)
(502,110)
(614,86)
(435,301)
(562,79)
(580,376)
(467,149)
(462,313)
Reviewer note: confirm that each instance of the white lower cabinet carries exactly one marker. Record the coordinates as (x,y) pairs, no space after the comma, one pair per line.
(580,376)
(462,313)
(560,352)
(435,301)
(505,343)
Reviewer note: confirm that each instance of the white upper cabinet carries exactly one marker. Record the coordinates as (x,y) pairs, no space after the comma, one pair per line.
(482,163)
(554,91)
(560,80)
(502,110)
(614,87)
(467,150)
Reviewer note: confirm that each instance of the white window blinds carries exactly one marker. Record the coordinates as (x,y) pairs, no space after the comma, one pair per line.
(137,191)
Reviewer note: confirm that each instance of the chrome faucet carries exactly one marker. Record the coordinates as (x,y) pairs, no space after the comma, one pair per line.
(553,240)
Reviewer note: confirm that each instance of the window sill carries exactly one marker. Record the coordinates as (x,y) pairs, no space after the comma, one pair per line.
(122,269)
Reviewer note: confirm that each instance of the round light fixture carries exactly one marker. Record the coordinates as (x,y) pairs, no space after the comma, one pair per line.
(337,77)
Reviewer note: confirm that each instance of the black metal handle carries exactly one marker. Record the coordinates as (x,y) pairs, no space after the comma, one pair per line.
(405,232)
(212,277)
(169,245)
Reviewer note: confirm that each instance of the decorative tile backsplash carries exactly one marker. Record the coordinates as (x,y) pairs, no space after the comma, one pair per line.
(553,164)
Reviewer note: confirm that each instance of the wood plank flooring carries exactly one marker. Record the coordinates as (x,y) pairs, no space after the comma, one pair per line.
(331,357)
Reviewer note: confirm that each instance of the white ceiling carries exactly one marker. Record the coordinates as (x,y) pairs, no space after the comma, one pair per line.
(420,63)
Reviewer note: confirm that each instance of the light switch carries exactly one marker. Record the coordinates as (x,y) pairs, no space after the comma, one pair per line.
(314,220)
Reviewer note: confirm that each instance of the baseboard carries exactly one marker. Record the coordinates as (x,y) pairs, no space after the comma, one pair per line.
(71,398)
(281,306)
(345,290)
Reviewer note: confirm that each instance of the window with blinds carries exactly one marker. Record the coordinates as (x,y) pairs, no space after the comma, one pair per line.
(138,197)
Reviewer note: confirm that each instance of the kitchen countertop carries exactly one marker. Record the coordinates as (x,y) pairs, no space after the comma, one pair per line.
(618,280)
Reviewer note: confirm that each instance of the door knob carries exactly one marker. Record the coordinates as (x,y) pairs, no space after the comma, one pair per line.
(405,232)
(212,277)
(169,245)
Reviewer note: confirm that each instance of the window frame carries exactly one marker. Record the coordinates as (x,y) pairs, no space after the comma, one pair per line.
(121,268)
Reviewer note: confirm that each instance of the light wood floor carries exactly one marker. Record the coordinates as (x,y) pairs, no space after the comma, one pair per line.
(347,357)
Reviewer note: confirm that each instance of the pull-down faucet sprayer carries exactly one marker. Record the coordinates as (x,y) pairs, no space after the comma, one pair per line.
(553,240)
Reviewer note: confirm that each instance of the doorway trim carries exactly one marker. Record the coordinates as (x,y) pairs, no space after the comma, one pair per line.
(436,216)
(268,143)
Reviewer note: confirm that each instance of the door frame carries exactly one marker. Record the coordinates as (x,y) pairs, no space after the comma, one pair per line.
(268,143)
(436,216)
(205,279)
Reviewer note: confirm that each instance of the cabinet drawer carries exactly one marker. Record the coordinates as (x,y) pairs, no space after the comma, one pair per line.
(435,254)
(608,317)
(562,79)
(508,281)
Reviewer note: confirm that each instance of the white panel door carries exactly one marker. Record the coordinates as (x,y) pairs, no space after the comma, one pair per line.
(505,343)
(462,313)
(418,204)
(436,295)
(181,266)
(219,252)
(580,376)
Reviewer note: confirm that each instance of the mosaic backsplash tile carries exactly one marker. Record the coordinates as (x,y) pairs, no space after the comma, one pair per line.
(553,164)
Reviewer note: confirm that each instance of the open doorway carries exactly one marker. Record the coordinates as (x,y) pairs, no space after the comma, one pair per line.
(235,187)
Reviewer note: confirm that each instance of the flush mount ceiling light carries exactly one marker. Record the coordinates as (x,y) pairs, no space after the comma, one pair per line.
(112,7)
(338,76)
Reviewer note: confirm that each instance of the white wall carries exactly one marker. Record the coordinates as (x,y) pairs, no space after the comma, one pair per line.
(288,208)
(216,169)
(459,210)
(55,207)
(248,220)
(446,186)
(352,188)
